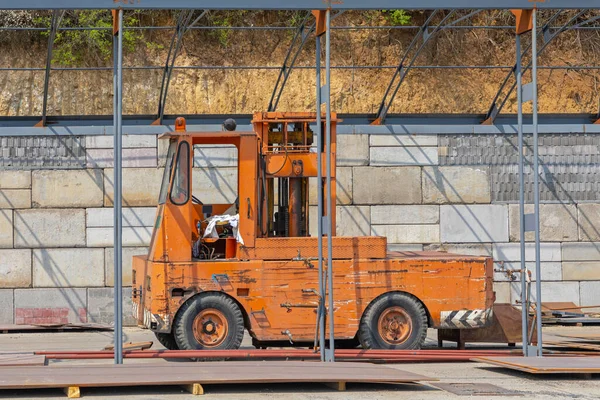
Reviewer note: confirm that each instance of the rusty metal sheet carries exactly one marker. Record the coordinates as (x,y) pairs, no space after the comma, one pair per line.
(547,365)
(202,373)
(16,360)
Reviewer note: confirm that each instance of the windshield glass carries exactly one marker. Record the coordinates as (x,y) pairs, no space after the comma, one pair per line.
(164,188)
(181,182)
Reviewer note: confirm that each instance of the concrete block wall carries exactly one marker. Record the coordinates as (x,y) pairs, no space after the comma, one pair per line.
(56,236)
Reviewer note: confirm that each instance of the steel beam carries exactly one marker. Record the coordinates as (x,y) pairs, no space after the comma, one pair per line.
(424,35)
(295,5)
(57,16)
(118,182)
(183,25)
(549,35)
(330,355)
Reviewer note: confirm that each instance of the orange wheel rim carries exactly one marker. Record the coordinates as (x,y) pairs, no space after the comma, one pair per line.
(210,327)
(394,325)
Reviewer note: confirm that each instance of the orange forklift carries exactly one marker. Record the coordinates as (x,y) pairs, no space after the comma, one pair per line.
(215,270)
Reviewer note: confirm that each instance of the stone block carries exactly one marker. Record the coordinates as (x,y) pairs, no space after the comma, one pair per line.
(215,185)
(474,223)
(471,249)
(404,247)
(463,185)
(50,306)
(558,223)
(132,237)
(68,267)
(551,292)
(132,158)
(512,252)
(109,264)
(589,295)
(162,150)
(15,268)
(15,198)
(588,217)
(49,228)
(559,291)
(15,179)
(502,290)
(390,156)
(129,141)
(141,186)
(408,233)
(352,150)
(551,271)
(581,271)
(6,306)
(353,221)
(581,251)
(132,217)
(386,185)
(215,156)
(344,189)
(67,188)
(6,228)
(409,214)
(101,306)
(404,140)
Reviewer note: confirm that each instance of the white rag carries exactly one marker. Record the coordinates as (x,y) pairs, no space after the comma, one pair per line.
(232,220)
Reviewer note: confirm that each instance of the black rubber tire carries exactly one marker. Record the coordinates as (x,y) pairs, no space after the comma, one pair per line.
(368,333)
(184,334)
(167,340)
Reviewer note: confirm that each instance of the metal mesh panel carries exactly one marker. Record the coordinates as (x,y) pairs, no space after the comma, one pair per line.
(40,152)
(569,164)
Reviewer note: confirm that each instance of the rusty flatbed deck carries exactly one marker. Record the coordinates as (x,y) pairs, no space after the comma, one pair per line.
(546,365)
(200,373)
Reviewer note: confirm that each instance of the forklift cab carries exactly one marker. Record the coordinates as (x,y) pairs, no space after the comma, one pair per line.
(275,162)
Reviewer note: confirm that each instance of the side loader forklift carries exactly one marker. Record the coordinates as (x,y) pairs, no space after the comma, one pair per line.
(215,270)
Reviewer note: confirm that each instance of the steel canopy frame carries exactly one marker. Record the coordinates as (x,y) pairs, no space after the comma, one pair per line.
(323,96)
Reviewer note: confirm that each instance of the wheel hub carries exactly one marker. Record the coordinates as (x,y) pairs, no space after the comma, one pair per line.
(394,325)
(210,327)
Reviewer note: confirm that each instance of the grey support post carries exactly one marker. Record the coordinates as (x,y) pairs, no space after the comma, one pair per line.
(118,181)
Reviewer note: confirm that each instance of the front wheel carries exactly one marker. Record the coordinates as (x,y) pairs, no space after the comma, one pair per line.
(167,340)
(209,322)
(393,321)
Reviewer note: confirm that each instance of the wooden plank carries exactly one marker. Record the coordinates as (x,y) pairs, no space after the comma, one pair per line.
(228,372)
(547,365)
(339,386)
(195,388)
(18,360)
(132,346)
(8,328)
(72,392)
(595,337)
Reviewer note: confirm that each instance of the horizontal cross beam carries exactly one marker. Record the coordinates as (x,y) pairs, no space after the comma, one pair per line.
(296,5)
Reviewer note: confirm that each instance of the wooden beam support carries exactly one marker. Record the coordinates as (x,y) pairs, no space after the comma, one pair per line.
(195,388)
(339,386)
(72,392)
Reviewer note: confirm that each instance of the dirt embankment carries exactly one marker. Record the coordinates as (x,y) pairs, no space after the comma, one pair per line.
(353,91)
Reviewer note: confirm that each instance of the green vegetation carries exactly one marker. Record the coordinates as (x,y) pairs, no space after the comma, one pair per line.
(79,47)
(396,17)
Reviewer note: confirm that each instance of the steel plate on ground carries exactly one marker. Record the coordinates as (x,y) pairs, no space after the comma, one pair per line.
(546,365)
(202,373)
(475,389)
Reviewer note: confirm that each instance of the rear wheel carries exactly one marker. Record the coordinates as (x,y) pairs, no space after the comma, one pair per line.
(167,340)
(209,322)
(393,321)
